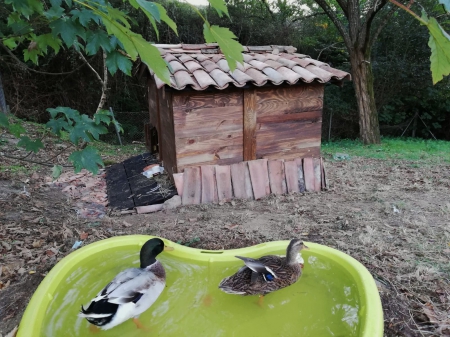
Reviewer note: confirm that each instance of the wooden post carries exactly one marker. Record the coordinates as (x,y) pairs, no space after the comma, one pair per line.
(249,124)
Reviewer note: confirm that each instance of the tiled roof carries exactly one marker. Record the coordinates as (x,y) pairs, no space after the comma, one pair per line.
(202,65)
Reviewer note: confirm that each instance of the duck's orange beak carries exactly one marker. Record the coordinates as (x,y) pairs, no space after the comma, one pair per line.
(168,248)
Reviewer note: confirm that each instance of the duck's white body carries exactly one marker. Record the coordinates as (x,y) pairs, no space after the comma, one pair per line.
(127,296)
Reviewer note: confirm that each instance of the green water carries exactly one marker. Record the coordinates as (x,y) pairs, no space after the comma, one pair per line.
(324,302)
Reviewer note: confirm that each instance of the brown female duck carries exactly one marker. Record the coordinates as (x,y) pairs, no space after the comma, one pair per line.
(266,274)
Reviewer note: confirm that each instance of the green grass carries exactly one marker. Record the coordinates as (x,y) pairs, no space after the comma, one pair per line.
(106,149)
(412,149)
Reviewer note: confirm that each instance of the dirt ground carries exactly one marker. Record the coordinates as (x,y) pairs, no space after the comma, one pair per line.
(393,216)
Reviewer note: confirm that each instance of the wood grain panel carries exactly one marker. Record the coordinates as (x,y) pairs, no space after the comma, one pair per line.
(225,161)
(260,178)
(317,174)
(178,179)
(189,101)
(152,101)
(209,188)
(306,117)
(308,151)
(290,99)
(223,178)
(290,168)
(249,124)
(240,178)
(214,143)
(300,175)
(308,171)
(277,177)
(192,189)
(166,138)
(208,121)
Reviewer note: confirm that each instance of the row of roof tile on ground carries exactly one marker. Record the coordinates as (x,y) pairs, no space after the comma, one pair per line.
(203,65)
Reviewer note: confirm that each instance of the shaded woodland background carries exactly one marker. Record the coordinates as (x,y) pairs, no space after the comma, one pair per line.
(403,85)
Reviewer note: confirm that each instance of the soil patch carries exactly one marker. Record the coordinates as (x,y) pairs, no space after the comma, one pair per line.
(393,216)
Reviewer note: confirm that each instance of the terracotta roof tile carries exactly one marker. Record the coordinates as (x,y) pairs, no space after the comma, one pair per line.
(201,57)
(221,78)
(209,65)
(258,65)
(241,78)
(202,65)
(258,78)
(176,66)
(273,64)
(223,64)
(291,76)
(186,58)
(287,63)
(274,76)
(305,75)
(324,75)
(192,66)
(203,79)
(183,78)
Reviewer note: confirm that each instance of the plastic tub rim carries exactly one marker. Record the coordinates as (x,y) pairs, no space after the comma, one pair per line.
(372,311)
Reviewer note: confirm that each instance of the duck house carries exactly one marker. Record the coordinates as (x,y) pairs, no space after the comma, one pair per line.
(270,107)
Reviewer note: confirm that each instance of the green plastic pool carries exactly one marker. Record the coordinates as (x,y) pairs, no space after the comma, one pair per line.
(336,295)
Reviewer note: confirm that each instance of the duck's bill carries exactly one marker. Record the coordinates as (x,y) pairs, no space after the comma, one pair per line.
(168,248)
(305,247)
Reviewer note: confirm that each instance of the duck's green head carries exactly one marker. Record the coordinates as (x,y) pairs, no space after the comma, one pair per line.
(150,250)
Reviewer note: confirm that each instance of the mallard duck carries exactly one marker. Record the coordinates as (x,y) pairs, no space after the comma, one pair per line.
(266,274)
(131,292)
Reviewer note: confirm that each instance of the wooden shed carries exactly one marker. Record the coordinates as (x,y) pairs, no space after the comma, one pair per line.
(269,107)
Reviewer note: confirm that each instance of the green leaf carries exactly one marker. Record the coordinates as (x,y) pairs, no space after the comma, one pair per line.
(10,43)
(102,116)
(54,12)
(16,129)
(152,58)
(68,30)
(151,8)
(4,120)
(30,145)
(70,114)
(220,6)
(116,60)
(84,16)
(97,39)
(31,55)
(225,38)
(439,44)
(57,125)
(56,171)
(88,159)
(166,19)
(56,3)
(48,40)
(446,4)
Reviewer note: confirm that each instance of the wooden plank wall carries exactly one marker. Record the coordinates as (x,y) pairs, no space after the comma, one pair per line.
(208,127)
(289,121)
(252,179)
(153,102)
(166,137)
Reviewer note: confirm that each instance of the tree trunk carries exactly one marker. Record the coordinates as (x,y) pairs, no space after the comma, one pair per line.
(369,128)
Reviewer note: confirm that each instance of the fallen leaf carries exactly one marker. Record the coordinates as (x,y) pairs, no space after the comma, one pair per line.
(37,243)
(83,235)
(21,271)
(127,224)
